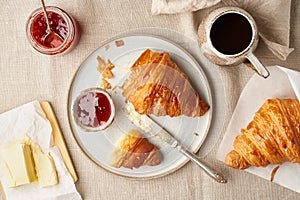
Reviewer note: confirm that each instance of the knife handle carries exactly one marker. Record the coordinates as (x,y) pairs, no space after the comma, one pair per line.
(219,177)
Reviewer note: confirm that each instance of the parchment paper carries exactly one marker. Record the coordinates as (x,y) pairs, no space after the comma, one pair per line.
(280,84)
(30,120)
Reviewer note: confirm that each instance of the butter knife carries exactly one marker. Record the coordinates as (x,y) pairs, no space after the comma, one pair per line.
(151,127)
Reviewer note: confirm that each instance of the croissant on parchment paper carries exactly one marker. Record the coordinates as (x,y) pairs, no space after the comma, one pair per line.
(133,151)
(273,137)
(157,86)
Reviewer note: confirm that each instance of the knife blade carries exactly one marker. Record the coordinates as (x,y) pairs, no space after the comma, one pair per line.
(153,128)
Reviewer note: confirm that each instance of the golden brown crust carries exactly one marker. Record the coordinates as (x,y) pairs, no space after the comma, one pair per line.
(235,160)
(134,151)
(157,86)
(273,137)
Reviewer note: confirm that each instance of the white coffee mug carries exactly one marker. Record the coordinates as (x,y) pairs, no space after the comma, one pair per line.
(220,49)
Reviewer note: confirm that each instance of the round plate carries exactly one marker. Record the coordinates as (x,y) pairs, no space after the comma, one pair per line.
(99,146)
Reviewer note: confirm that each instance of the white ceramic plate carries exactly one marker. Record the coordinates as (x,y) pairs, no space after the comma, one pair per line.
(191,132)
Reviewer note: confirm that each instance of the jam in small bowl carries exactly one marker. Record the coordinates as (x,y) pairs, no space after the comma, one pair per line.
(93,110)
(66,31)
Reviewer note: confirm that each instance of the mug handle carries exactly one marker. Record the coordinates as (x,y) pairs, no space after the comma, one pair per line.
(257,65)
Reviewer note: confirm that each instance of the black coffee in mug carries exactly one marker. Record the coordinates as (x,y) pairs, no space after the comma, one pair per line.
(231,33)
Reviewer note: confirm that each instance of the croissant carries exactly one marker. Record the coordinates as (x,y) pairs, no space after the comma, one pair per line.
(134,151)
(157,86)
(273,137)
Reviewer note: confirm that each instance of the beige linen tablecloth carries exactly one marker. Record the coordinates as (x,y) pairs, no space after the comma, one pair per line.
(27,75)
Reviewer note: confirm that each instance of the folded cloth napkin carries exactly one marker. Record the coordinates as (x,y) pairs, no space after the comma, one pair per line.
(272,18)
(177,6)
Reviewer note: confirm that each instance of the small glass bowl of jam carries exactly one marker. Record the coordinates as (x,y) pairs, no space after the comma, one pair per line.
(61,23)
(93,109)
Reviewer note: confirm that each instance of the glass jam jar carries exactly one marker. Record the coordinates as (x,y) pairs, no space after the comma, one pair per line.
(61,23)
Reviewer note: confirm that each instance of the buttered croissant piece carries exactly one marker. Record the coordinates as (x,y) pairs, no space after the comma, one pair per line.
(157,86)
(134,151)
(273,137)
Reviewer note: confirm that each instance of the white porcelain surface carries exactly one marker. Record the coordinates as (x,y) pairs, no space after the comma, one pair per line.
(100,145)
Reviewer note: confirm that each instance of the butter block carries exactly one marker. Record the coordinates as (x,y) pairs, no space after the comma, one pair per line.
(18,164)
(45,167)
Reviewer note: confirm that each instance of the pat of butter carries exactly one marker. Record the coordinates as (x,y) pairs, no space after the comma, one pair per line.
(18,164)
(45,167)
(24,162)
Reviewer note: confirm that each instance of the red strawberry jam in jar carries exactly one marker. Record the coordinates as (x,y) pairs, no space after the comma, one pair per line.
(64,28)
(93,110)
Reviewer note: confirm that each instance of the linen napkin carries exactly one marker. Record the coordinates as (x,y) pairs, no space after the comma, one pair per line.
(29,120)
(272,18)
(282,83)
(178,6)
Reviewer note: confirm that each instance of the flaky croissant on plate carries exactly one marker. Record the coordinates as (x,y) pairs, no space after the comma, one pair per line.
(273,137)
(133,151)
(157,86)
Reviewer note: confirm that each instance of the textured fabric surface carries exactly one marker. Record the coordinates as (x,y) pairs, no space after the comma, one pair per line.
(179,6)
(272,18)
(27,75)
